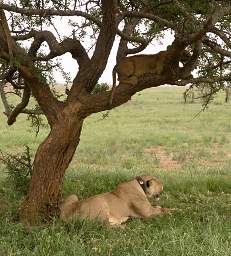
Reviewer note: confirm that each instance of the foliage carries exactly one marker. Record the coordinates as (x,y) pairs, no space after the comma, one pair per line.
(204,93)
(184,19)
(102,87)
(36,121)
(18,168)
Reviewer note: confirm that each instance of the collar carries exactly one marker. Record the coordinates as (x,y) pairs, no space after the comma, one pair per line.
(141,183)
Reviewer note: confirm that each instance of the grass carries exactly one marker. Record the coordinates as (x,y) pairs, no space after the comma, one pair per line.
(148,135)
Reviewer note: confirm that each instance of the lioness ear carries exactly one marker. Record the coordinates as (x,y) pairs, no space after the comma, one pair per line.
(148,183)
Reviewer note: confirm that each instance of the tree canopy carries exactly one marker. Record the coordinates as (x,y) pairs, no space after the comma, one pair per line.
(32,39)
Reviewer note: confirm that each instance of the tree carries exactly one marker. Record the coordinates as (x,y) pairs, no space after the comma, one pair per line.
(201,41)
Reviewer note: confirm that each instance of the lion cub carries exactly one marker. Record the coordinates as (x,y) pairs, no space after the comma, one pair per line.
(128,200)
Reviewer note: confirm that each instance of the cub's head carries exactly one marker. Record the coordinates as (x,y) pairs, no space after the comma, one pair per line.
(151,186)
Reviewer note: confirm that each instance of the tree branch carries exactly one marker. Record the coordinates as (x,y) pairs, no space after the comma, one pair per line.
(216,48)
(138,48)
(218,65)
(207,25)
(149,16)
(49,12)
(57,49)
(161,3)
(203,80)
(222,35)
(184,10)
(89,74)
(123,49)
(52,12)
(32,112)
(4,100)
(122,93)
(134,39)
(190,64)
(48,103)
(5,33)
(18,109)
(107,33)
(50,106)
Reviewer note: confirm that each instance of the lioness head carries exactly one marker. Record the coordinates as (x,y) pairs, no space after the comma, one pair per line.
(153,186)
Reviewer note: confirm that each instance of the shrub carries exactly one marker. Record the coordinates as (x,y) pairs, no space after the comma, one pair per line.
(18,168)
(100,88)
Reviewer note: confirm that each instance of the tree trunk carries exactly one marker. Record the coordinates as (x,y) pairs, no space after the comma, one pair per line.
(227,92)
(51,160)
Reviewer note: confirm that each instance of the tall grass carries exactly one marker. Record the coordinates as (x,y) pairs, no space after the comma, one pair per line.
(113,150)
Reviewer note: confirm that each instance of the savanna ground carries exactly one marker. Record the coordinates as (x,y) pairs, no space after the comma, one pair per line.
(153,134)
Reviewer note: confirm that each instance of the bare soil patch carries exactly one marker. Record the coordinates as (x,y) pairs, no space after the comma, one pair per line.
(218,156)
(166,160)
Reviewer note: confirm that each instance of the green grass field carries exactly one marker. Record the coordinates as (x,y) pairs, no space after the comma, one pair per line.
(155,134)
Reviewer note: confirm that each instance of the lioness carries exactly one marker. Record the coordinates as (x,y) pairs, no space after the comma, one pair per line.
(129,199)
(129,69)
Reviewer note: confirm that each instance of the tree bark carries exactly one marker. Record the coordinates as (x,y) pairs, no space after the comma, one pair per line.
(51,160)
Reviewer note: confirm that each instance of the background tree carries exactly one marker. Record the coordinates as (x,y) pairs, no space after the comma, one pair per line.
(30,43)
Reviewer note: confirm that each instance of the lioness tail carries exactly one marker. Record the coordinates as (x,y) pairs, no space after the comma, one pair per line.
(68,207)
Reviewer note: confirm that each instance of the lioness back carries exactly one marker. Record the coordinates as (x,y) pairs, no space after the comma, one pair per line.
(138,65)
